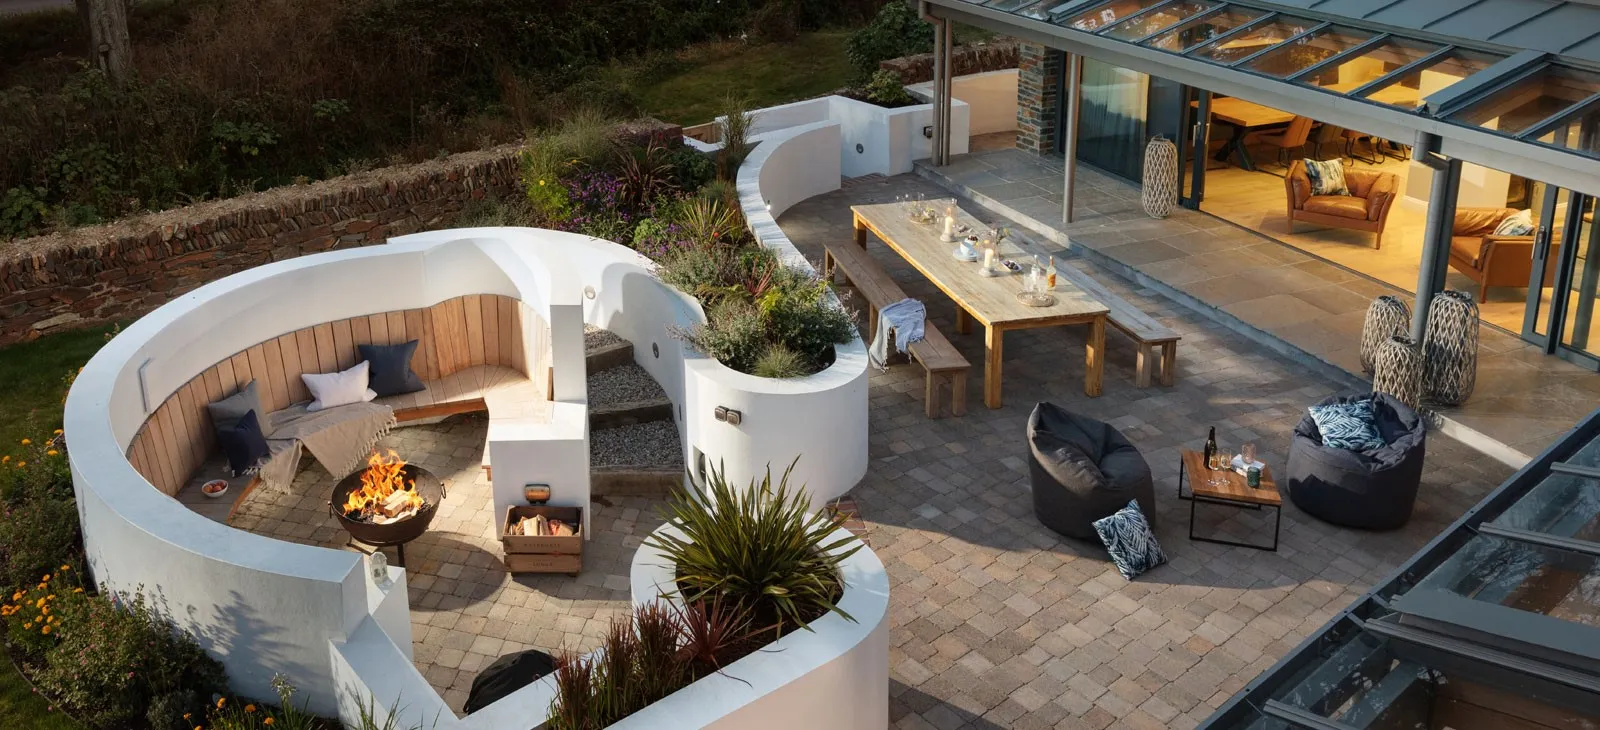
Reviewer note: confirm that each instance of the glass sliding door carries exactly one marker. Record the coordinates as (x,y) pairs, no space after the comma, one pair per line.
(1550,204)
(1579,279)
(1112,118)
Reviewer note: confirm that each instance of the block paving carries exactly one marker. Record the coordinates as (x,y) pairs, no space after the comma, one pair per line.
(996,622)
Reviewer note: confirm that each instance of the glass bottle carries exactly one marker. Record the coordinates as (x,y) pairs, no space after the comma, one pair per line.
(1211,447)
(1050,275)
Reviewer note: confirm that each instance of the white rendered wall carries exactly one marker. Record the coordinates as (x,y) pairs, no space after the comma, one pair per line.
(835,676)
(263,606)
(889,140)
(991,98)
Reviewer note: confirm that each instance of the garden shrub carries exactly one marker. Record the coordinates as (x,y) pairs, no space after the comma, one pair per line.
(37,533)
(734,122)
(690,167)
(776,21)
(242,714)
(117,656)
(896,31)
(734,334)
(885,89)
(758,548)
(780,362)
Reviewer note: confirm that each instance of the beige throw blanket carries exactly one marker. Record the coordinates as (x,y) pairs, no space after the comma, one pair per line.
(340,438)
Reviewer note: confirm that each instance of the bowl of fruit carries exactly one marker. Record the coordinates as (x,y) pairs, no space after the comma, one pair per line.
(214,488)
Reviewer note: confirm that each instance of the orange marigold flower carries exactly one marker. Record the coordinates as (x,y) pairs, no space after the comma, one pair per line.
(27,625)
(51,452)
(46,629)
(21,464)
(186,715)
(66,568)
(221,701)
(58,432)
(27,442)
(5,459)
(249,708)
(267,721)
(77,590)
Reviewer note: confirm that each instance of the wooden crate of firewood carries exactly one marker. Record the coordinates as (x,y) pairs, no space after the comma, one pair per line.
(543,539)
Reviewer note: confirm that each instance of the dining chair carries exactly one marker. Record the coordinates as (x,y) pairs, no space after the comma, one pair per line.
(1292,137)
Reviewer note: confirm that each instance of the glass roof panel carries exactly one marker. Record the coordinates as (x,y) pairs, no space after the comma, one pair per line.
(1158,20)
(1012,5)
(1291,58)
(1261,37)
(1372,64)
(1101,16)
(1565,505)
(1531,100)
(1409,89)
(1043,10)
(1589,455)
(1200,30)
(1532,578)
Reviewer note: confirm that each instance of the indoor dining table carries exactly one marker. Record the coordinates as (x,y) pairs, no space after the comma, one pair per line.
(991,301)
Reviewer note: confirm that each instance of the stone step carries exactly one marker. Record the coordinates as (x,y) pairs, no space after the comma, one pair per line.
(628,413)
(604,350)
(622,481)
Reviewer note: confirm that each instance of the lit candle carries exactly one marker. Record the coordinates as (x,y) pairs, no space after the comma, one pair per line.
(988,258)
(950,223)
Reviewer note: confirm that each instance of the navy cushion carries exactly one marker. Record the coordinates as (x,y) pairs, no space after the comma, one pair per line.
(1130,541)
(1351,426)
(390,368)
(243,443)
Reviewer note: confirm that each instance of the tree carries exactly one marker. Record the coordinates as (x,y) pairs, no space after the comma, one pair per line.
(107,21)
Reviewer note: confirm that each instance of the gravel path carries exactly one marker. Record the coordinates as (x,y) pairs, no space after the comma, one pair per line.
(595,338)
(651,445)
(622,385)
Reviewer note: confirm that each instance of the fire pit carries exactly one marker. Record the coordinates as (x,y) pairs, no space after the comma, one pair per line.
(389,503)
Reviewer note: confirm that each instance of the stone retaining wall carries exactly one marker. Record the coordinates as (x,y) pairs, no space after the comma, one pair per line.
(122,270)
(973,59)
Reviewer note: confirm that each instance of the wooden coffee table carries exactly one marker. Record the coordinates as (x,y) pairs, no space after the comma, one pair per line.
(1233,492)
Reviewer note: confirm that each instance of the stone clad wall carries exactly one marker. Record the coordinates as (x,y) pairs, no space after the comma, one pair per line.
(121,270)
(1039,72)
(973,59)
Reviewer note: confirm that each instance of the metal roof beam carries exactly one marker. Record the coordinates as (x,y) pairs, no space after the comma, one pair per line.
(1388,79)
(1452,98)
(1339,57)
(1229,34)
(1275,46)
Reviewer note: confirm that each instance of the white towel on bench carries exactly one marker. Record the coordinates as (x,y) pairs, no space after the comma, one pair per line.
(905,318)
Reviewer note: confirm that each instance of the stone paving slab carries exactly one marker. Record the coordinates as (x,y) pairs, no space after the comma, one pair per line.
(998,622)
(466,611)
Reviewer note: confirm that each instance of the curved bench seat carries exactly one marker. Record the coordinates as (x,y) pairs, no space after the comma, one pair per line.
(470,355)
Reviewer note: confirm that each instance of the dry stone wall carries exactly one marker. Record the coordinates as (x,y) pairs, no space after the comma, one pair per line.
(121,270)
(970,59)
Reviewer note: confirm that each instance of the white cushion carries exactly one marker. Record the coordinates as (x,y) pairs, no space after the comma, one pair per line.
(338,389)
(1519,223)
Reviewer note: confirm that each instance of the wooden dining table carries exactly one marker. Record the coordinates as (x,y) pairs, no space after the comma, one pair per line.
(1243,116)
(991,301)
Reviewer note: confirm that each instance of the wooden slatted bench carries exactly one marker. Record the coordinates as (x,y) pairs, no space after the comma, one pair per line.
(943,363)
(478,352)
(1143,329)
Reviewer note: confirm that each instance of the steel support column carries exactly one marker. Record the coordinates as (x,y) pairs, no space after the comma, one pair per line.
(941,113)
(1436,234)
(1072,86)
(949,89)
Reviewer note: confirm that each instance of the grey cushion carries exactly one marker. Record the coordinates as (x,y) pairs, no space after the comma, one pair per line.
(391,372)
(225,413)
(1082,470)
(1374,489)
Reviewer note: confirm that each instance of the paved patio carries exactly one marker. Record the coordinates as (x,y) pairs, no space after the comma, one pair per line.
(996,622)
(1000,623)
(465,609)
(1524,399)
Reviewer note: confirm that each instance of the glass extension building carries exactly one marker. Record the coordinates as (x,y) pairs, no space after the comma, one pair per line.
(1479,104)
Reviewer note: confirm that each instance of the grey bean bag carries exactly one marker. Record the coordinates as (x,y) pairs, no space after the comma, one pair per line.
(1374,489)
(1083,470)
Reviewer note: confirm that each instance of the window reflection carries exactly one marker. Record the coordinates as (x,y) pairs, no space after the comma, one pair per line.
(1411,89)
(1154,22)
(1373,64)
(1256,39)
(1563,505)
(1303,53)
(1200,30)
(1102,16)
(1525,577)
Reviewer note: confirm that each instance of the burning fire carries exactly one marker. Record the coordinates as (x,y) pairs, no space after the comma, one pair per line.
(385,494)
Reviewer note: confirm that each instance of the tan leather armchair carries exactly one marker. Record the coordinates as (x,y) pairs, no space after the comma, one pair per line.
(1492,260)
(1366,208)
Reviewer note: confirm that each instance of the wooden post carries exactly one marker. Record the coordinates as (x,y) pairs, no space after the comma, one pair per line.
(108,36)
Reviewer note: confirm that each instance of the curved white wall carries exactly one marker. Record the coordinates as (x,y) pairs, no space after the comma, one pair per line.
(835,676)
(260,605)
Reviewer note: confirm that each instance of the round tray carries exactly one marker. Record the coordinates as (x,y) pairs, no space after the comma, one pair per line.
(1036,298)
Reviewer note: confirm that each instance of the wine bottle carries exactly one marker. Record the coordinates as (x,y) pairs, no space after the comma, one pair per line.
(1050,274)
(1211,446)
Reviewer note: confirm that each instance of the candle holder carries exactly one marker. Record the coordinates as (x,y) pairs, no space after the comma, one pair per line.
(948,233)
(536,493)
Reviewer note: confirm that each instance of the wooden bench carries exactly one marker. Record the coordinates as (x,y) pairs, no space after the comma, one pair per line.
(943,363)
(1145,331)
(475,352)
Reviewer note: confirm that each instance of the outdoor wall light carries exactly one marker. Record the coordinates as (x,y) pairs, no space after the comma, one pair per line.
(860,148)
(927,131)
(727,415)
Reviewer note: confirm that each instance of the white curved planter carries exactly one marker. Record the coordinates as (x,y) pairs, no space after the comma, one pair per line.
(835,676)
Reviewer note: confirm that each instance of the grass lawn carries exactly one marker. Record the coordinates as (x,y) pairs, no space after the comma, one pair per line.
(774,73)
(34,374)
(21,709)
